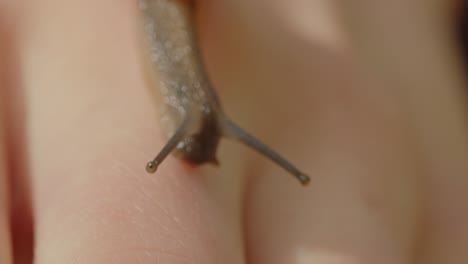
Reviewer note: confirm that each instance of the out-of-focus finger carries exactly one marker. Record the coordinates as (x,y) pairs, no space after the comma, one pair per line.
(412,45)
(303,93)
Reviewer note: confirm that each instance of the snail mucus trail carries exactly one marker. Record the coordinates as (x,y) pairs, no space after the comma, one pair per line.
(192,112)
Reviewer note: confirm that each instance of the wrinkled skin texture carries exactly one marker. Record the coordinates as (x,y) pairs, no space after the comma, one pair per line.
(371,107)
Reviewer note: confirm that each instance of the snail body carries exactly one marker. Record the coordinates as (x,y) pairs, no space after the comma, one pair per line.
(192,113)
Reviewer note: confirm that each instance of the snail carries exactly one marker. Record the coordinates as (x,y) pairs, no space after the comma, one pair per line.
(192,113)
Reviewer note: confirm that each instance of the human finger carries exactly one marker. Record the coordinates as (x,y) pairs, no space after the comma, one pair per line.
(93,125)
(349,132)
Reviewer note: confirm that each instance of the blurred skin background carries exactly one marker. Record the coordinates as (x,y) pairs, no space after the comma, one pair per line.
(367,97)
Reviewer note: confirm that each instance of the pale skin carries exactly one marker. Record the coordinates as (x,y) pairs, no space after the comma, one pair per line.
(371,108)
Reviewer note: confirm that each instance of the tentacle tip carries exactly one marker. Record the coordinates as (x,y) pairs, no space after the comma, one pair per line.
(151,167)
(304,179)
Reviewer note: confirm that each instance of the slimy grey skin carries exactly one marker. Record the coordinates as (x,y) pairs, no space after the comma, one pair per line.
(192,113)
